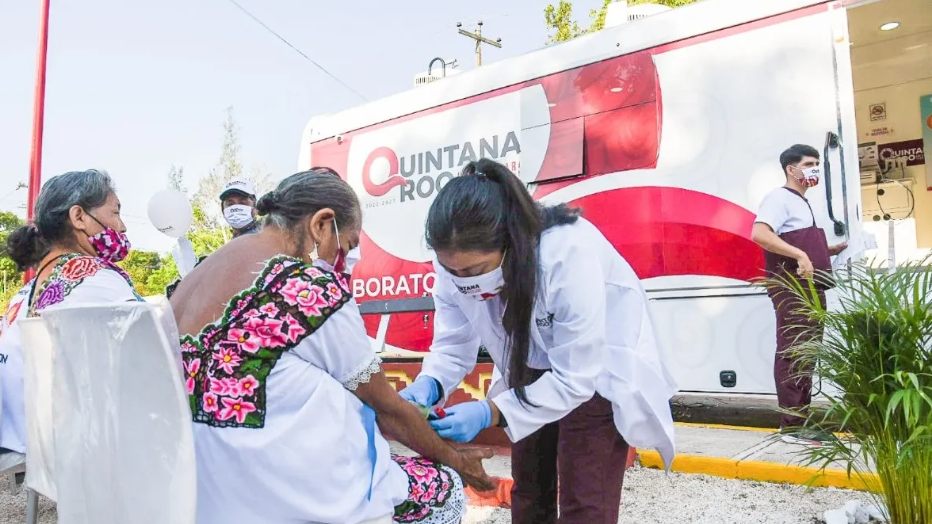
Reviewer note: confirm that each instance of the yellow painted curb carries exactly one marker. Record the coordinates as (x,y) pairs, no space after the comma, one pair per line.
(724,426)
(757,470)
(739,428)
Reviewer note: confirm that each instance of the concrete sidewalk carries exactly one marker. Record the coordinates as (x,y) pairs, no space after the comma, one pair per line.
(748,454)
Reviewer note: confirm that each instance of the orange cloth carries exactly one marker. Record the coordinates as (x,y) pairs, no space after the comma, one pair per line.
(499,497)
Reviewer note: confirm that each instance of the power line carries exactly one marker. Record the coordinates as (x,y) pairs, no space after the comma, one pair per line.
(19,186)
(289,44)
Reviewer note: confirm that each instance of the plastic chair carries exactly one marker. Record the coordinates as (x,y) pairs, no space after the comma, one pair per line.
(124,449)
(38,355)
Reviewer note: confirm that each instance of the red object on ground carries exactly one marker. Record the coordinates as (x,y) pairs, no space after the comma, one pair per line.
(500,497)
(38,118)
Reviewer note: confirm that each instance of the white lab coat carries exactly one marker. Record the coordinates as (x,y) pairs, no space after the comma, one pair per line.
(591,328)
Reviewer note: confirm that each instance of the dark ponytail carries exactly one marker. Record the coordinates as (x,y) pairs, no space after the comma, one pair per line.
(26,247)
(488,209)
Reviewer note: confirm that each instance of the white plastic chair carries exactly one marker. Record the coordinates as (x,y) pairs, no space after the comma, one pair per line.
(38,356)
(124,450)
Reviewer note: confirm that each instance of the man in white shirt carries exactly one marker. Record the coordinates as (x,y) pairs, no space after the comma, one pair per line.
(794,246)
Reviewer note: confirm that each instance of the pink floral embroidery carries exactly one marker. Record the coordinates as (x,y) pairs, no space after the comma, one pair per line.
(341,280)
(229,364)
(247,386)
(233,388)
(305,295)
(221,386)
(269,309)
(235,408)
(210,403)
(241,304)
(295,329)
(267,331)
(191,368)
(276,270)
(420,472)
(243,340)
(430,493)
(429,487)
(227,359)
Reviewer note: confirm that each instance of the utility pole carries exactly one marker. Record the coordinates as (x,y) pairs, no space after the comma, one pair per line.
(38,121)
(477,36)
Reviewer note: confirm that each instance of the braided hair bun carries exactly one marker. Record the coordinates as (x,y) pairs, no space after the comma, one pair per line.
(268,203)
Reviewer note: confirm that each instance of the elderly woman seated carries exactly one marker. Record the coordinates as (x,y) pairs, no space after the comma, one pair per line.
(75,242)
(288,397)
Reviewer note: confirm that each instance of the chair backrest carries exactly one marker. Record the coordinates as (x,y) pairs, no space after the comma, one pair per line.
(38,356)
(166,317)
(123,433)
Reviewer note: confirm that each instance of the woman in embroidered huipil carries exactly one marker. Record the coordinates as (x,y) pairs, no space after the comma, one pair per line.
(288,397)
(75,242)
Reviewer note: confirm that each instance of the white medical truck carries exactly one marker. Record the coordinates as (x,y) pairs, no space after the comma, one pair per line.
(665,129)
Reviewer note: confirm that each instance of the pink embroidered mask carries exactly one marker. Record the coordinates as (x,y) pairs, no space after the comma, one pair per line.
(110,244)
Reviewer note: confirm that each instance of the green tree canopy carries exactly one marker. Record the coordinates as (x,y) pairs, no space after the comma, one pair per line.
(11,280)
(559,18)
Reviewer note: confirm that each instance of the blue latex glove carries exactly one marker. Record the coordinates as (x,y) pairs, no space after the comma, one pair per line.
(422,391)
(464,421)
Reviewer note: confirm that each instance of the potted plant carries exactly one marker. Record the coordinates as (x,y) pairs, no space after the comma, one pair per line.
(876,351)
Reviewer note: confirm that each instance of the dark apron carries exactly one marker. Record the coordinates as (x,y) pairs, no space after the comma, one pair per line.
(811,240)
(794,385)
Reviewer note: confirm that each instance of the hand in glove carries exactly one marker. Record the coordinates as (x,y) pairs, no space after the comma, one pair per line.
(464,421)
(423,391)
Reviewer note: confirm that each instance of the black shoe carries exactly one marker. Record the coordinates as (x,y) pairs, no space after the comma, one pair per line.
(804,437)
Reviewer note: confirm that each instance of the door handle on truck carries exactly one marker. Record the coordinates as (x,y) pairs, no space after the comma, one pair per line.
(831,142)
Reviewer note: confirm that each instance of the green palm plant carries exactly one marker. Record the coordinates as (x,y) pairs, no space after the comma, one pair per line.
(877,353)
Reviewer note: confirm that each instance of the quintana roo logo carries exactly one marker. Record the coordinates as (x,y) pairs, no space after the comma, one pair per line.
(394,178)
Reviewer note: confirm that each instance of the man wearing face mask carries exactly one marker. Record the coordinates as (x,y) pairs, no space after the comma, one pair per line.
(794,246)
(238,202)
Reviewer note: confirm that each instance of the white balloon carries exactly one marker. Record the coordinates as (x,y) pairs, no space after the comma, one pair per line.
(170,212)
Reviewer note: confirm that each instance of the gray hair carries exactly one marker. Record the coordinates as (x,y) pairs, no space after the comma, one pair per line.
(52,224)
(303,194)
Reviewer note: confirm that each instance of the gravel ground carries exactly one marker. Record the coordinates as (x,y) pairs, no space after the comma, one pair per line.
(652,498)
(649,498)
(13,507)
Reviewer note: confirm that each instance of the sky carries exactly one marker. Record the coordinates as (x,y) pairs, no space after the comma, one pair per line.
(134,87)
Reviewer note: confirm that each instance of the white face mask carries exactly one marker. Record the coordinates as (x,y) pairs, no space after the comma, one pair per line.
(810,176)
(352,258)
(348,260)
(238,216)
(481,287)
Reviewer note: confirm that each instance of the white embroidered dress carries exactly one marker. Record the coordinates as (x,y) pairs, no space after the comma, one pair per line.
(280,437)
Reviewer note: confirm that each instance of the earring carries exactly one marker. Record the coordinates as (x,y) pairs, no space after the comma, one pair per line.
(313,254)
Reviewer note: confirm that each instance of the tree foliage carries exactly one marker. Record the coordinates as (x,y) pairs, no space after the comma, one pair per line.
(11,280)
(559,18)
(228,168)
